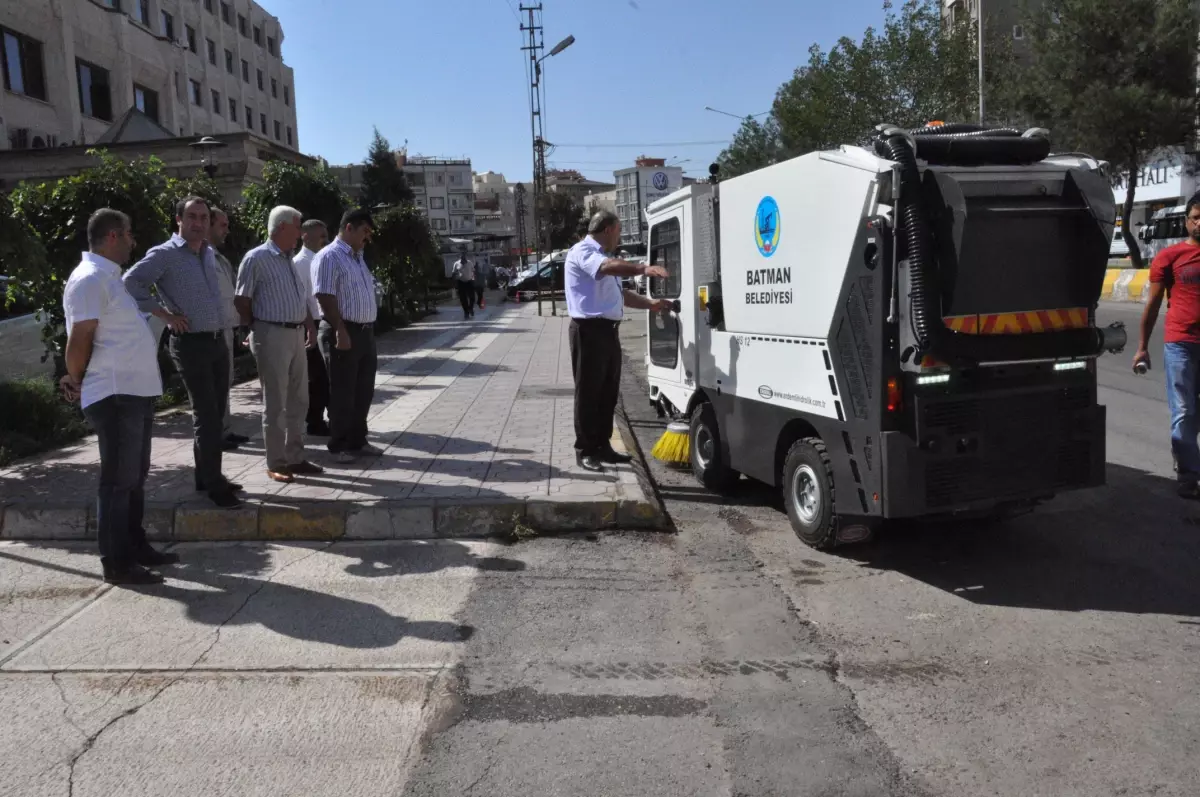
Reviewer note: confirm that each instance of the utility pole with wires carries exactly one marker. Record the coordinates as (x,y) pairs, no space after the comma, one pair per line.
(519,201)
(536,45)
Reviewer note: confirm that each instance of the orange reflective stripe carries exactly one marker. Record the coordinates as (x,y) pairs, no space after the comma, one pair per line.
(1019,323)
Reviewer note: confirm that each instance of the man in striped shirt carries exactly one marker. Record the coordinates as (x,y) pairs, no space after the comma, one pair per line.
(273,302)
(183,272)
(346,291)
(315,236)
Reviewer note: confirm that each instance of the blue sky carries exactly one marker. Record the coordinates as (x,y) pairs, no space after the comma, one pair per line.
(447,75)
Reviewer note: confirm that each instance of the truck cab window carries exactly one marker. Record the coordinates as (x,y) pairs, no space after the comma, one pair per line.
(665,251)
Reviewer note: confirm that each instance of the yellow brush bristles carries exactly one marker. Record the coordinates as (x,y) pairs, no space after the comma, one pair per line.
(674,446)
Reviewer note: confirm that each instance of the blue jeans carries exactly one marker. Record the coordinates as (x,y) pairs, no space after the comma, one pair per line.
(122,425)
(1182,364)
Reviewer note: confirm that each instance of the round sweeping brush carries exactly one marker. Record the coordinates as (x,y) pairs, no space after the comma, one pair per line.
(674,446)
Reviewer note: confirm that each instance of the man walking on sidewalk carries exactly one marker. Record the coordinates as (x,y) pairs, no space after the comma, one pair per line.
(596,303)
(218,231)
(273,302)
(346,291)
(112,370)
(315,237)
(463,272)
(184,272)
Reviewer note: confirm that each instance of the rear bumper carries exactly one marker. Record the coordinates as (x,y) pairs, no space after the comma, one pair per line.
(973,453)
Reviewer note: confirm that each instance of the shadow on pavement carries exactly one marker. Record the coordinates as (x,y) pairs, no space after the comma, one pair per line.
(1128,547)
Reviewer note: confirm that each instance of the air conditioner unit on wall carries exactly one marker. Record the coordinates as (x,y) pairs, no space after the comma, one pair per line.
(18,138)
(27,138)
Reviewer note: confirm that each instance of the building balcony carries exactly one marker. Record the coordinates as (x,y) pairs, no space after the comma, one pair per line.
(462,211)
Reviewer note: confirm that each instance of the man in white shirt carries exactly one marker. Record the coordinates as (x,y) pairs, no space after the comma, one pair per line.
(315,237)
(463,272)
(112,370)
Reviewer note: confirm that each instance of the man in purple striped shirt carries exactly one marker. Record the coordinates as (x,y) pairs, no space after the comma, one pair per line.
(346,291)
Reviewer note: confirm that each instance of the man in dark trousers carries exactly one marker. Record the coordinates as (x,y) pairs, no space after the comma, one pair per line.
(346,291)
(315,238)
(463,272)
(184,272)
(596,302)
(1175,273)
(112,370)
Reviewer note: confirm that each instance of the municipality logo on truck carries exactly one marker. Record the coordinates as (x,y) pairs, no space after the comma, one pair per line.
(766,226)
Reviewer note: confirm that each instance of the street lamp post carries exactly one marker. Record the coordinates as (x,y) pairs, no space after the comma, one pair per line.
(207,146)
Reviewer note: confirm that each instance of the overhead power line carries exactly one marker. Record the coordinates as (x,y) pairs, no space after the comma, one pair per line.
(721,142)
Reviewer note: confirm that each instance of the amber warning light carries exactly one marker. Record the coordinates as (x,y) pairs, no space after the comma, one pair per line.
(893,395)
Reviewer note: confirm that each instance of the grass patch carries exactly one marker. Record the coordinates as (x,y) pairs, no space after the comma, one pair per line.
(520,531)
(34,418)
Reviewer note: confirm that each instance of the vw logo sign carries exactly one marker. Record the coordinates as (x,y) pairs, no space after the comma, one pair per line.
(766,392)
(660,181)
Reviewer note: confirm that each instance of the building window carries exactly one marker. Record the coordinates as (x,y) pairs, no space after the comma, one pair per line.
(190,34)
(229,62)
(216,98)
(439,179)
(194,90)
(212,51)
(274,88)
(1018,32)
(289,132)
(23,71)
(141,11)
(262,123)
(258,35)
(249,117)
(242,28)
(437,203)
(208,6)
(278,131)
(271,45)
(245,70)
(226,14)
(233,109)
(146,101)
(287,96)
(95,95)
(168,26)
(437,224)
(260,80)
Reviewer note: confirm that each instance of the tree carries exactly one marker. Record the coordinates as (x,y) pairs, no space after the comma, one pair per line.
(383,179)
(312,191)
(403,255)
(915,70)
(1115,79)
(57,214)
(562,215)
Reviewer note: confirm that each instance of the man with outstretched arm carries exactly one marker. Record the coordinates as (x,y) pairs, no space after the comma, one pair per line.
(112,370)
(596,301)
(1175,273)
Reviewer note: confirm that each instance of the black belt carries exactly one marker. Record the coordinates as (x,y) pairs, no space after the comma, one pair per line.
(219,333)
(607,323)
(283,324)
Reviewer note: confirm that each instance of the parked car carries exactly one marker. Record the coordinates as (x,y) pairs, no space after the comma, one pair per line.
(525,285)
(1118,248)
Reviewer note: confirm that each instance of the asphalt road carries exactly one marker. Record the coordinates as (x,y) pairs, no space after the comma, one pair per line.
(1054,655)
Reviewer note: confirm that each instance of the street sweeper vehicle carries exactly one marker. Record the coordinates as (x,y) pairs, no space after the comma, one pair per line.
(903,331)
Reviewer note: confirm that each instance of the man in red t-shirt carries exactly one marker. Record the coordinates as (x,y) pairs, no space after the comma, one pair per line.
(1175,272)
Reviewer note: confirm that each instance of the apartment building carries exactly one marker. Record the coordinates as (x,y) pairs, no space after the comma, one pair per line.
(647,181)
(71,68)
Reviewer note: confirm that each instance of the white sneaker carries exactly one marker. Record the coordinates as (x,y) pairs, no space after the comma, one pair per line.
(369,450)
(344,457)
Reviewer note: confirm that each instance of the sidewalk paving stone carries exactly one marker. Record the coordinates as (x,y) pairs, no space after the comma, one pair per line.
(475,420)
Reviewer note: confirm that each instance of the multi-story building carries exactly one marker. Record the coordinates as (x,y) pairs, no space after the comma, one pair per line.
(445,190)
(573,184)
(647,181)
(600,200)
(71,68)
(1003,17)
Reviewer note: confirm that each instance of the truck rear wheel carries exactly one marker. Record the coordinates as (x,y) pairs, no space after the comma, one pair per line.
(808,493)
(708,463)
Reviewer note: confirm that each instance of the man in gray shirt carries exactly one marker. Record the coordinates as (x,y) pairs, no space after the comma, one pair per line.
(183,274)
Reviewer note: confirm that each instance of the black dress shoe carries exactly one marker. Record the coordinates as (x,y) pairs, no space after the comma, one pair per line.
(236,439)
(614,458)
(231,486)
(147,556)
(225,499)
(129,573)
(589,462)
(229,445)
(318,429)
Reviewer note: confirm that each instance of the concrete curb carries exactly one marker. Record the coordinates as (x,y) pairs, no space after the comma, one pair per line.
(276,520)
(1125,285)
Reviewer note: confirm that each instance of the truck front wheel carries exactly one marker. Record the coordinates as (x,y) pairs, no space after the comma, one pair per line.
(708,463)
(808,493)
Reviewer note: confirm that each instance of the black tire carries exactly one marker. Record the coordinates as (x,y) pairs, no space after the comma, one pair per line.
(704,451)
(808,494)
